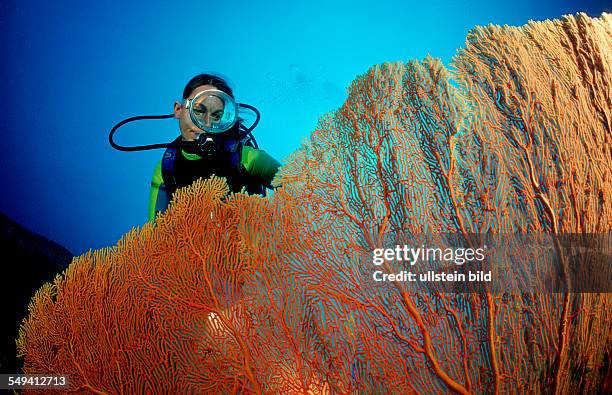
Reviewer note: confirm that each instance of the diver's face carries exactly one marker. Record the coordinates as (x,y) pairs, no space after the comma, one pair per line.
(189,131)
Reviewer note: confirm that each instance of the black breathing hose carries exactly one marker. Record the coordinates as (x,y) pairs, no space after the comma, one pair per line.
(137,147)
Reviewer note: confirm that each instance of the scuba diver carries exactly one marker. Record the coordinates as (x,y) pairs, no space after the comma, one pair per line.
(213,141)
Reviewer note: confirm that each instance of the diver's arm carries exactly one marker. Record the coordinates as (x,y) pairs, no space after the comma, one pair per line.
(158,199)
(259,164)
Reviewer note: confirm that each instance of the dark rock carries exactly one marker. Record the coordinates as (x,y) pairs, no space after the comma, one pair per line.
(29,261)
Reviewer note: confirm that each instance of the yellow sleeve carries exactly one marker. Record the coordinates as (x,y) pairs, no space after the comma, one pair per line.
(259,164)
(154,197)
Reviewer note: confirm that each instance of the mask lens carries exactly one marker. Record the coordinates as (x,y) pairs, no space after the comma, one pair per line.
(213,111)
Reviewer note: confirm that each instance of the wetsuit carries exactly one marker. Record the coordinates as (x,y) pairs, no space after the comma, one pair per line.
(255,171)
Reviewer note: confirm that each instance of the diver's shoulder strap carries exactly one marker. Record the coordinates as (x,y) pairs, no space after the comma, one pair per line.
(235,155)
(168,167)
(168,170)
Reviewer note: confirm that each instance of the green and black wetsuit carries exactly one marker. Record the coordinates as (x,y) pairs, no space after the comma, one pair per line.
(255,171)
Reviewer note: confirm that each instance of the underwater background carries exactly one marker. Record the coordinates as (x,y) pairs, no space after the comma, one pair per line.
(71,70)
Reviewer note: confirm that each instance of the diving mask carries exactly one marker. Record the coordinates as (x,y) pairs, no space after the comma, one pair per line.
(212,110)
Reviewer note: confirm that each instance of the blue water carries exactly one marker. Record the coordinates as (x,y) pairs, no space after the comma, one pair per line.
(71,70)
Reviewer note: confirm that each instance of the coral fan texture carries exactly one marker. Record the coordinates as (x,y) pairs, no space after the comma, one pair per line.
(243,294)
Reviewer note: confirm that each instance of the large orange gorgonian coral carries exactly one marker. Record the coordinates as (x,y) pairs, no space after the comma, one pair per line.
(243,294)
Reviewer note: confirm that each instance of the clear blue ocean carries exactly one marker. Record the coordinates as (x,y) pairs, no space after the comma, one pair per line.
(72,69)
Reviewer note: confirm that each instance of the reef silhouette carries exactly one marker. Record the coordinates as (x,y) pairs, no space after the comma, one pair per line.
(243,294)
(34,260)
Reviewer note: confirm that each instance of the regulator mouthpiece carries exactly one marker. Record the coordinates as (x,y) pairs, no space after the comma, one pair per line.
(207,146)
